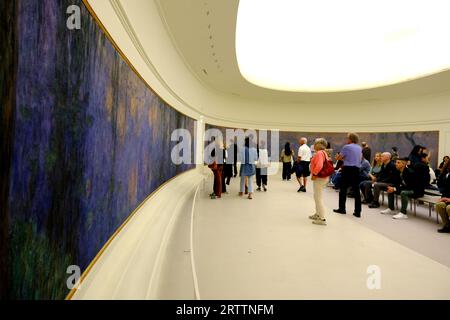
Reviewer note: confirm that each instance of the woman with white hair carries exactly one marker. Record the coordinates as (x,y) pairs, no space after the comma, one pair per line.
(320,172)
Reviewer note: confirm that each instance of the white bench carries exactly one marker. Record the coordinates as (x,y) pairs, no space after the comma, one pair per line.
(431,201)
(432,192)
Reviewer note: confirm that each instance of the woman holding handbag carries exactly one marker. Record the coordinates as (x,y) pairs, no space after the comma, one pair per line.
(321,169)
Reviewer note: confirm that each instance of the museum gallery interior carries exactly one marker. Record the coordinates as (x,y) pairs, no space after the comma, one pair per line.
(224,150)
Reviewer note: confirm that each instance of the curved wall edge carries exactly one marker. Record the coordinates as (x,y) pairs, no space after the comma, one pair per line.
(144,238)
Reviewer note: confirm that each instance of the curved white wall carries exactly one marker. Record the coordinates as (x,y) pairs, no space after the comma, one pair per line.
(134,264)
(155,56)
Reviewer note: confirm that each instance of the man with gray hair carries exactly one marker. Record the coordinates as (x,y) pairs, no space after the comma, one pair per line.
(389,176)
(351,154)
(303,162)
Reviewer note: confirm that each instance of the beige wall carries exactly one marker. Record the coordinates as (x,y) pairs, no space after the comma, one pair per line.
(157,59)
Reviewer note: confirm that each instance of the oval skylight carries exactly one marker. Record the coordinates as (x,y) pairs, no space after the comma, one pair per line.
(331,45)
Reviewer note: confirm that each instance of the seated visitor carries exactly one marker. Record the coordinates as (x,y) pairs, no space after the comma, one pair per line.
(425,162)
(414,155)
(329,150)
(388,176)
(394,153)
(364,171)
(443,206)
(366,151)
(366,186)
(411,185)
(364,174)
(339,163)
(443,176)
(424,170)
(335,179)
(438,171)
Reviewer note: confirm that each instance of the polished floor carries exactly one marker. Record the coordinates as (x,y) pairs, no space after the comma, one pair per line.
(267,248)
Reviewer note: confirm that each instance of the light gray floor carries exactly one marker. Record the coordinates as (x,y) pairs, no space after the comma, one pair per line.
(418,233)
(267,248)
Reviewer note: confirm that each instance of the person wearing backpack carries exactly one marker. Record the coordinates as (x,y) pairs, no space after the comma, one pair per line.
(321,170)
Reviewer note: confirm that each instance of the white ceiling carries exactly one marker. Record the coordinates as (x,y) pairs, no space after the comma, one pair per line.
(204,33)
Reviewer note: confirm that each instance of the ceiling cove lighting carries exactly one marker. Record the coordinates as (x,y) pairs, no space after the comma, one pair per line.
(330,45)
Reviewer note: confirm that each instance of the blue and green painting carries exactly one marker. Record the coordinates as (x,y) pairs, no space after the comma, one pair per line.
(84,142)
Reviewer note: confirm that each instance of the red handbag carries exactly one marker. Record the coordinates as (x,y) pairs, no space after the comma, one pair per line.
(328,168)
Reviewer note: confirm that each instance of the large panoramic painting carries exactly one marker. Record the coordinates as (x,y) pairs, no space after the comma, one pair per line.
(84,142)
(378,142)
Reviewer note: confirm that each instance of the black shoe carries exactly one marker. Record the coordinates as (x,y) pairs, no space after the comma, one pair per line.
(357,215)
(340,211)
(374,205)
(300,189)
(365,202)
(303,189)
(445,229)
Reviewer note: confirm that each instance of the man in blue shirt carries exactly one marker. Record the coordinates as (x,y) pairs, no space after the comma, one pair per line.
(351,154)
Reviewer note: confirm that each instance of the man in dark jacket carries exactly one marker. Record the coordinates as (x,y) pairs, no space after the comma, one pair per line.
(389,176)
(443,207)
(366,151)
(412,184)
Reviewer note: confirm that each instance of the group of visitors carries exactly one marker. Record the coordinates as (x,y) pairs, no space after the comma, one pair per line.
(407,177)
(352,174)
(254,160)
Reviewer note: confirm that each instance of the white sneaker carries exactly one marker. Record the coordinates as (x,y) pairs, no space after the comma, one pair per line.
(315,216)
(387,211)
(400,216)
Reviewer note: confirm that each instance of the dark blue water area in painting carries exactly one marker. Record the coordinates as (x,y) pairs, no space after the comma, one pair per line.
(92,141)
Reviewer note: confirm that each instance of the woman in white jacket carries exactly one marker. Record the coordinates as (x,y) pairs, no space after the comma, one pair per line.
(261,166)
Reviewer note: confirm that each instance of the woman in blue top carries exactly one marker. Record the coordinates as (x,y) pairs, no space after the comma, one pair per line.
(248,157)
